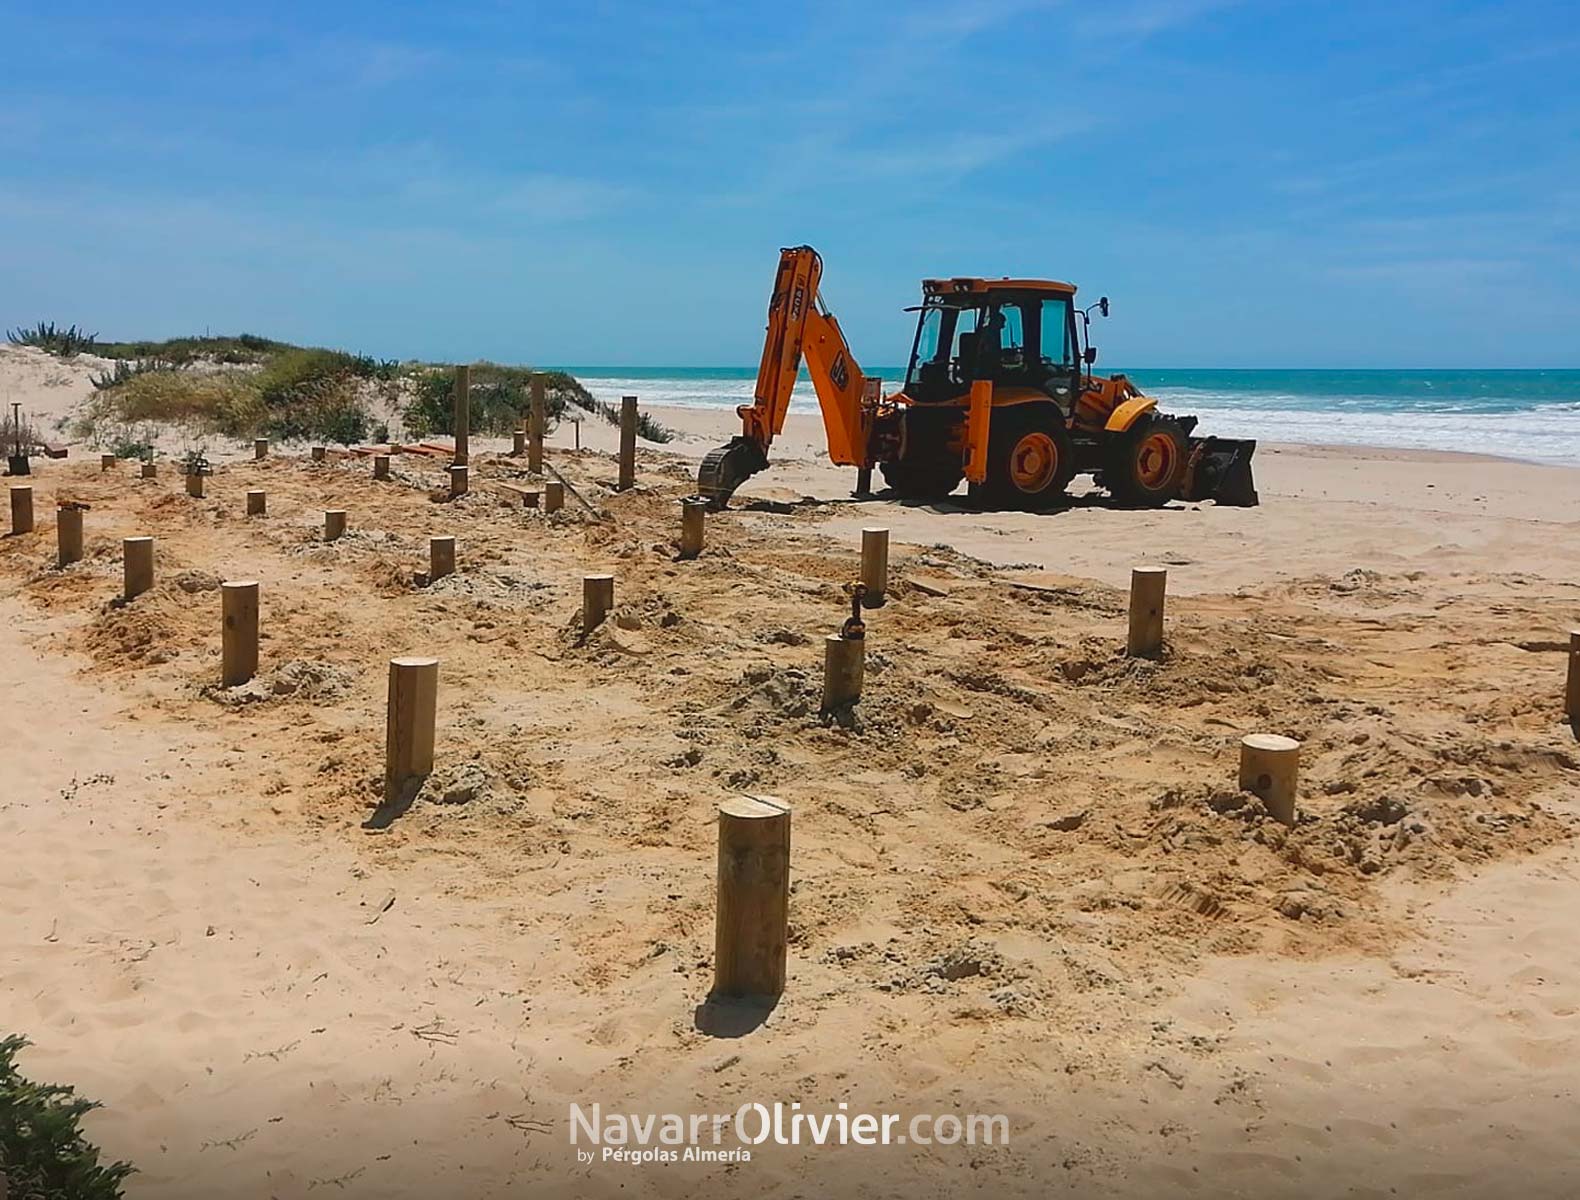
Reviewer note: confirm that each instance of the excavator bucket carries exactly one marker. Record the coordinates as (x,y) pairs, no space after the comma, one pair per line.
(1220,470)
(725,469)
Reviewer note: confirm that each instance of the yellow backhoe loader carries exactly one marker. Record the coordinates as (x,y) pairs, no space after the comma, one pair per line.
(999,393)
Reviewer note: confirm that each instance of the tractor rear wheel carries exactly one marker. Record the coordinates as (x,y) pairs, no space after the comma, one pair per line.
(1031,459)
(1145,466)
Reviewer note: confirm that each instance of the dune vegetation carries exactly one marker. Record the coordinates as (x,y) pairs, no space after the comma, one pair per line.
(249,386)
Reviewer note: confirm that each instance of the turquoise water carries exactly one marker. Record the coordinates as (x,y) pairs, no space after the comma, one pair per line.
(1519,414)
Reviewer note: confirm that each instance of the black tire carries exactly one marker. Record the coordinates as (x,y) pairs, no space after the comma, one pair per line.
(1145,466)
(916,479)
(1031,459)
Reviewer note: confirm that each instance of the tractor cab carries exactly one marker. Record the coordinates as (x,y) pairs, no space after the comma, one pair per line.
(1016,333)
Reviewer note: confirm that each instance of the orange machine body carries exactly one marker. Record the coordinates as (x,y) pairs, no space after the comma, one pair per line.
(1001,396)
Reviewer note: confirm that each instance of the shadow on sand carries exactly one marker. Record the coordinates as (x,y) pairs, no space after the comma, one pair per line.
(386,813)
(731,1016)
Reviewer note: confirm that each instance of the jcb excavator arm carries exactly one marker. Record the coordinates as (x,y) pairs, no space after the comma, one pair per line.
(798,326)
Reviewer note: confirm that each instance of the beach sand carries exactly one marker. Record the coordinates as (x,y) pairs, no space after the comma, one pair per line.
(1023,881)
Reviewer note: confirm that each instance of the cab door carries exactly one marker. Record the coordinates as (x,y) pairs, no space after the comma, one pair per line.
(1056,354)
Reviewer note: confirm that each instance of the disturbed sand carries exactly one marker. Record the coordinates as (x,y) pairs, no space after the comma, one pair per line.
(1023,880)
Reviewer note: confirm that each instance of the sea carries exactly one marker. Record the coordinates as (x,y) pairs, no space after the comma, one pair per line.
(1524,414)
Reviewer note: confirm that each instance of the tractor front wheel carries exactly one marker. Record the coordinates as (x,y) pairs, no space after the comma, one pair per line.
(1146,464)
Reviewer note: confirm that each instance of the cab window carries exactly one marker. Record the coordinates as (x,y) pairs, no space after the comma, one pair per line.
(965,335)
(1056,348)
(1012,336)
(927,335)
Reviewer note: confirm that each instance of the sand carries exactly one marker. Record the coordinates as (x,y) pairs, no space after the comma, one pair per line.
(1023,880)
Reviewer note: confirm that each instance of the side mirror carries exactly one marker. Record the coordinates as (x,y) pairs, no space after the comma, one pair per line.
(1091,355)
(1103,304)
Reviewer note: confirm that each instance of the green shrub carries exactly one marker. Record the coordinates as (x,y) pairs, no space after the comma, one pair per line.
(324,410)
(499,399)
(135,445)
(224,401)
(244,349)
(63,343)
(298,394)
(125,369)
(292,374)
(43,1155)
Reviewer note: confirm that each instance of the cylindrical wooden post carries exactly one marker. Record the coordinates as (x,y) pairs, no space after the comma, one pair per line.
(260,449)
(239,632)
(409,723)
(195,485)
(150,470)
(752,918)
(518,444)
(627,442)
(597,600)
(530,498)
(553,496)
(22,508)
(875,564)
(1147,587)
(334,523)
(381,466)
(463,415)
(107,461)
(537,420)
(320,453)
(693,514)
(137,566)
(441,558)
(1572,683)
(257,502)
(844,667)
(460,481)
(1269,766)
(68,535)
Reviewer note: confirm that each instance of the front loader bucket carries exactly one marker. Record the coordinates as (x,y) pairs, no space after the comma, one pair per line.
(1220,470)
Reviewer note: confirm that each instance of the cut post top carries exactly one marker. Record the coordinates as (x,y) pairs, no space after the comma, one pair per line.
(751,808)
(414,662)
(1275,742)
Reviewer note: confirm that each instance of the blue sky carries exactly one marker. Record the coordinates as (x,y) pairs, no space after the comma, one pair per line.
(1261,183)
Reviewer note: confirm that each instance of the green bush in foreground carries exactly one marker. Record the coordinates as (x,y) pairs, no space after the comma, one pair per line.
(43,1155)
(63,343)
